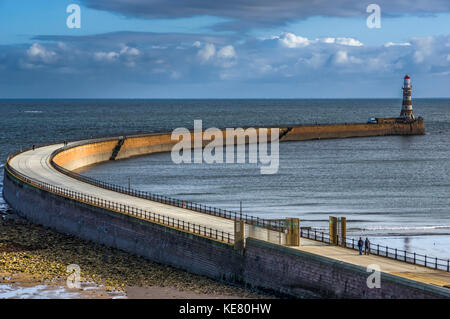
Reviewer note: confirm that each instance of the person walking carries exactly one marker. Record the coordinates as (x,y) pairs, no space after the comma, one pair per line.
(360,245)
(367,246)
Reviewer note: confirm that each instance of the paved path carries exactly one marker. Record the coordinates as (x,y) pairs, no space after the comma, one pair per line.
(35,164)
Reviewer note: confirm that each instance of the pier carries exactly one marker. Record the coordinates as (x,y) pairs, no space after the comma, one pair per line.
(42,185)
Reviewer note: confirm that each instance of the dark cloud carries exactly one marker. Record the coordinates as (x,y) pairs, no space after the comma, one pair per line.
(251,13)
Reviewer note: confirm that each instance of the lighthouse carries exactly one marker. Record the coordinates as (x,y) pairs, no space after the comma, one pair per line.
(407,111)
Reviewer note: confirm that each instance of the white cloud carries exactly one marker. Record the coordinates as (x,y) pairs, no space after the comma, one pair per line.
(207,52)
(224,57)
(227,52)
(343,41)
(392,44)
(342,57)
(196,44)
(349,41)
(127,54)
(106,56)
(290,40)
(129,51)
(38,52)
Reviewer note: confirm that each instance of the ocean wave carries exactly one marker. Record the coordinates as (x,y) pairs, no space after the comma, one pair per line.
(33,112)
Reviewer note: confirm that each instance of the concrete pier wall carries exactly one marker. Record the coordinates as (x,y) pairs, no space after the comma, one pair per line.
(261,265)
(97,152)
(310,132)
(84,155)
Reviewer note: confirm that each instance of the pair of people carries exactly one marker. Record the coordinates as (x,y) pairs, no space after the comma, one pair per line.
(366,244)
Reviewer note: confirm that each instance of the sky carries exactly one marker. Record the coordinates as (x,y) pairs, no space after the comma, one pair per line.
(224,49)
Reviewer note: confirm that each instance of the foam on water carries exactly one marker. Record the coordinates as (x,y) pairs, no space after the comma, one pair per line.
(9,291)
(33,112)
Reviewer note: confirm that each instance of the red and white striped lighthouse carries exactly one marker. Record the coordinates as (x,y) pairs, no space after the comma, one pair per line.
(407,110)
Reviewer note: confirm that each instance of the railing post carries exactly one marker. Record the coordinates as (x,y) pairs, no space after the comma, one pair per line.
(353,243)
(378,249)
(414,258)
(448,265)
(436,263)
(425,260)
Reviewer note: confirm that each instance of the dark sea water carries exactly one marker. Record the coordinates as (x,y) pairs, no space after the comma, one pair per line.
(395,189)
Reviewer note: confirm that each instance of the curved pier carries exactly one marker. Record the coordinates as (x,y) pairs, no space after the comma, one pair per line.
(40,185)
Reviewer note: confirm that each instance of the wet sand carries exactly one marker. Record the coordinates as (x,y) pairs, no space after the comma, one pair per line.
(34,260)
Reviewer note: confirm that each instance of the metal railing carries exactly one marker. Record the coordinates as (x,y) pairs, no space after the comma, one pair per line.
(125,209)
(380,250)
(210,210)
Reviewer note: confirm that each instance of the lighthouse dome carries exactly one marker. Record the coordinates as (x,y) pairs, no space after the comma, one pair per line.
(407,77)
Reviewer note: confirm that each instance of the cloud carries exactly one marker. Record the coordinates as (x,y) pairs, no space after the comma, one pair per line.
(401,44)
(106,56)
(342,57)
(224,57)
(207,52)
(227,52)
(247,14)
(291,40)
(126,54)
(343,41)
(149,60)
(38,53)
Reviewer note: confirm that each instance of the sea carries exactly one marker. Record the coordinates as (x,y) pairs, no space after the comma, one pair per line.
(393,189)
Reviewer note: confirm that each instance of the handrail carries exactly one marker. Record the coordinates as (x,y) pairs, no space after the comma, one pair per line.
(125,209)
(380,250)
